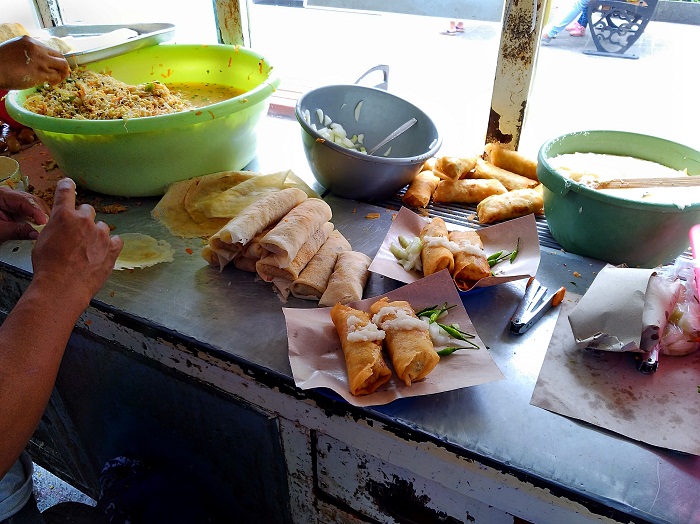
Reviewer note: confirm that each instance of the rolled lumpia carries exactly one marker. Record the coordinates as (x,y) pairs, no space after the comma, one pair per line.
(224,245)
(435,255)
(347,282)
(467,190)
(453,168)
(471,264)
(268,268)
(512,161)
(509,179)
(421,189)
(361,341)
(513,204)
(407,339)
(313,280)
(294,229)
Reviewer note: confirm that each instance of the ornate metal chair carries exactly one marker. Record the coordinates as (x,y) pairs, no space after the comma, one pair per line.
(616,25)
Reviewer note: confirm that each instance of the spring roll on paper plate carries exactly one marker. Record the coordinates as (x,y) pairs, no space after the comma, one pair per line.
(224,245)
(407,339)
(435,255)
(471,264)
(362,347)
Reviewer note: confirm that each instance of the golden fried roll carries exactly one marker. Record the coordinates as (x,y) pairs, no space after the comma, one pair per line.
(467,190)
(347,282)
(511,180)
(407,339)
(313,280)
(513,204)
(512,161)
(421,189)
(435,254)
(361,341)
(471,264)
(453,168)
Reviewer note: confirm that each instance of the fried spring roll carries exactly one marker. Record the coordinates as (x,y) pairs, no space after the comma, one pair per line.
(471,264)
(362,347)
(407,339)
(453,168)
(421,189)
(435,255)
(513,204)
(512,161)
(509,179)
(467,190)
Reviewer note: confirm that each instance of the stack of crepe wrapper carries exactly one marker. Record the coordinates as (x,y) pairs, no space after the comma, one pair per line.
(288,239)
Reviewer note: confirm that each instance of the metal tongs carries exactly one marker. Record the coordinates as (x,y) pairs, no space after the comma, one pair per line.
(534,305)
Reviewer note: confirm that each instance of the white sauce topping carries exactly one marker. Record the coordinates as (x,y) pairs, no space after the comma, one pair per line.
(455,247)
(589,168)
(360,332)
(402,321)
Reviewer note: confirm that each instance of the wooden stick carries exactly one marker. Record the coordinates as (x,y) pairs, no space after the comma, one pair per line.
(624,183)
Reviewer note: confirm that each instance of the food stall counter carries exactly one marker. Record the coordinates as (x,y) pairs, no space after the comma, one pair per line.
(189,364)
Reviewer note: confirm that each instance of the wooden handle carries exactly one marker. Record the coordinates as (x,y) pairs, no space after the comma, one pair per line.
(625,183)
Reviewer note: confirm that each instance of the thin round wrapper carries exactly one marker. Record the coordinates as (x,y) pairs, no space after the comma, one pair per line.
(142,251)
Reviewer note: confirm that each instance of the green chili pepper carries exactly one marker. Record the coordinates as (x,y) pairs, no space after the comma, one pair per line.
(448,351)
(500,256)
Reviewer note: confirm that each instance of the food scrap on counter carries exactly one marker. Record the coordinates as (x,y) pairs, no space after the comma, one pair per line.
(503,184)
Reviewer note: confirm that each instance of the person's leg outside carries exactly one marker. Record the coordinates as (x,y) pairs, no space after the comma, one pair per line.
(553,29)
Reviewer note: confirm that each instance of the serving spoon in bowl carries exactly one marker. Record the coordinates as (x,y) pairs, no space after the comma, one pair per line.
(402,128)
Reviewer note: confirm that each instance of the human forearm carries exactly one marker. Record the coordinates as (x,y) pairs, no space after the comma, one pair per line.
(32,341)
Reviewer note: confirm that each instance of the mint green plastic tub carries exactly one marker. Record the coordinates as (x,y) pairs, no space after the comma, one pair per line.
(142,156)
(615,230)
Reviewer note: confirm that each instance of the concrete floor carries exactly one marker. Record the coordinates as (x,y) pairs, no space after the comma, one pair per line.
(50,490)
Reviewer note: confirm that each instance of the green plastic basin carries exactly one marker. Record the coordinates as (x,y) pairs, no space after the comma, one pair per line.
(142,156)
(587,222)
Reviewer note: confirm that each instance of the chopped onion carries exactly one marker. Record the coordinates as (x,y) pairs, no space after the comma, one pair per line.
(358,108)
(336,133)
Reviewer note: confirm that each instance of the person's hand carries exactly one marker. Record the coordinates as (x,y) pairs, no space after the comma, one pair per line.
(16,207)
(26,62)
(74,254)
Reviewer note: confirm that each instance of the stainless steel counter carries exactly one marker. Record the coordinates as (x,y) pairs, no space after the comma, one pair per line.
(234,317)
